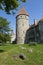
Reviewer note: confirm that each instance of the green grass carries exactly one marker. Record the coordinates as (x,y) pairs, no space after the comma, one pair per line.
(34,58)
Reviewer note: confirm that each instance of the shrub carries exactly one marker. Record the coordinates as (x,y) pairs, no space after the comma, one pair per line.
(33,43)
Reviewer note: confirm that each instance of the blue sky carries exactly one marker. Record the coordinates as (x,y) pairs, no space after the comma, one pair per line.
(34,9)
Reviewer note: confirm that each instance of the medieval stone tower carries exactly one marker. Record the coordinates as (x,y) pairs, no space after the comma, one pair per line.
(22,24)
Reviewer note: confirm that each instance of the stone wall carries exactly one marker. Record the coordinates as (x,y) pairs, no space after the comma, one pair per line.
(21,28)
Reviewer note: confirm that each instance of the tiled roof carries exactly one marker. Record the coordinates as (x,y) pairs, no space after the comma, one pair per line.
(22,11)
(34,25)
(41,19)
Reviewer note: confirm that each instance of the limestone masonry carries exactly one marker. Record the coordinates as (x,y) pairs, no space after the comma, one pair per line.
(22,24)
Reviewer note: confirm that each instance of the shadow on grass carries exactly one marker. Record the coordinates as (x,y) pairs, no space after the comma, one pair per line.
(1,51)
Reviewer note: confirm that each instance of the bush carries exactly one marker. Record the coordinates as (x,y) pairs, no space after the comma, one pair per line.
(33,43)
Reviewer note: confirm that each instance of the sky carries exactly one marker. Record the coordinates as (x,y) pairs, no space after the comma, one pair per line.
(33,7)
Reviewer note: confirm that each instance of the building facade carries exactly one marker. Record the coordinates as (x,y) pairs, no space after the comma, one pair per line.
(26,33)
(35,33)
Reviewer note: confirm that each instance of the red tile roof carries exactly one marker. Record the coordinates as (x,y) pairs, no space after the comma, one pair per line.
(41,19)
(22,11)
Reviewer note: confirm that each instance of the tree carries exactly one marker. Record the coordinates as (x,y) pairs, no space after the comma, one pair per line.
(10,5)
(4,30)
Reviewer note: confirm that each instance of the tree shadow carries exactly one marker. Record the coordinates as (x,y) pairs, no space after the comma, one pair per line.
(14,42)
(1,51)
(26,41)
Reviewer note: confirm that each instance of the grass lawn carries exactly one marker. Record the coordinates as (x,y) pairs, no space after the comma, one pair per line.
(32,58)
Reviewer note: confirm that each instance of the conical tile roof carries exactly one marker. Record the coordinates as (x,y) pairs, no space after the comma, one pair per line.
(22,11)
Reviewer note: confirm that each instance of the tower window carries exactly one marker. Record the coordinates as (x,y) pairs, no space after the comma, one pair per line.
(20,16)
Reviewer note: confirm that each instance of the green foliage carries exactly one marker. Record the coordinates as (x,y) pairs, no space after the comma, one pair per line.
(4,25)
(33,43)
(23,0)
(8,5)
(7,37)
(4,30)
